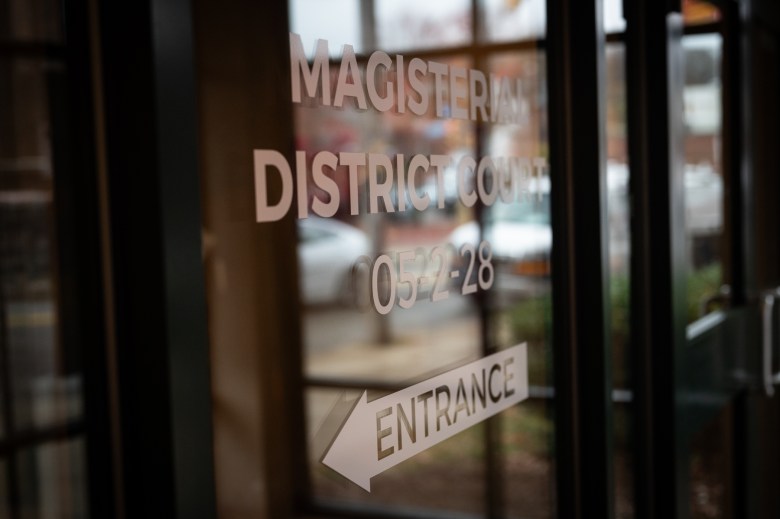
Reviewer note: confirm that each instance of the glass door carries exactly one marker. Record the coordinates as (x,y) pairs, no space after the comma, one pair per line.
(721,322)
(424,249)
(406,223)
(727,366)
(701,325)
(379,237)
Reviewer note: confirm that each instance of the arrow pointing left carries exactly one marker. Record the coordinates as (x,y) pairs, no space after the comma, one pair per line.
(378,435)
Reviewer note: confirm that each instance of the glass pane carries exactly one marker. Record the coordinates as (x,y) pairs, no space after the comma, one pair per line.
(39,372)
(520,299)
(619,255)
(527,443)
(449,477)
(710,468)
(346,338)
(419,200)
(410,24)
(354,340)
(511,20)
(704,189)
(53,481)
(353,264)
(43,391)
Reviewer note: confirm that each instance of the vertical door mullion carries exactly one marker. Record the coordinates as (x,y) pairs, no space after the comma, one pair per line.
(7,412)
(81,300)
(583,375)
(495,485)
(157,283)
(657,253)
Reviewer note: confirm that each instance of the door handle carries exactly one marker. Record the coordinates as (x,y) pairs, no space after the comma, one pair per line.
(770,378)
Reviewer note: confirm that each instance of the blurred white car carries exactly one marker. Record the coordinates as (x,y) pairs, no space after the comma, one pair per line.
(327,249)
(521,239)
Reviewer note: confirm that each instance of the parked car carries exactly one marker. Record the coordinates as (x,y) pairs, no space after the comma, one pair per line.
(521,237)
(327,249)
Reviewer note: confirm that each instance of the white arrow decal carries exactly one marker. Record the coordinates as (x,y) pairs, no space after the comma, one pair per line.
(380,434)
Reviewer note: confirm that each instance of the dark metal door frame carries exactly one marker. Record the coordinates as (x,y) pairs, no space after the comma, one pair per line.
(581,340)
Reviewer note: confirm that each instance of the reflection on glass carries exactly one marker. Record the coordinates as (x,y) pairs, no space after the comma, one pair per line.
(39,375)
(617,208)
(528,138)
(337,288)
(519,302)
(619,261)
(41,392)
(410,24)
(520,229)
(704,202)
(346,338)
(326,252)
(54,477)
(710,468)
(508,20)
(398,289)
